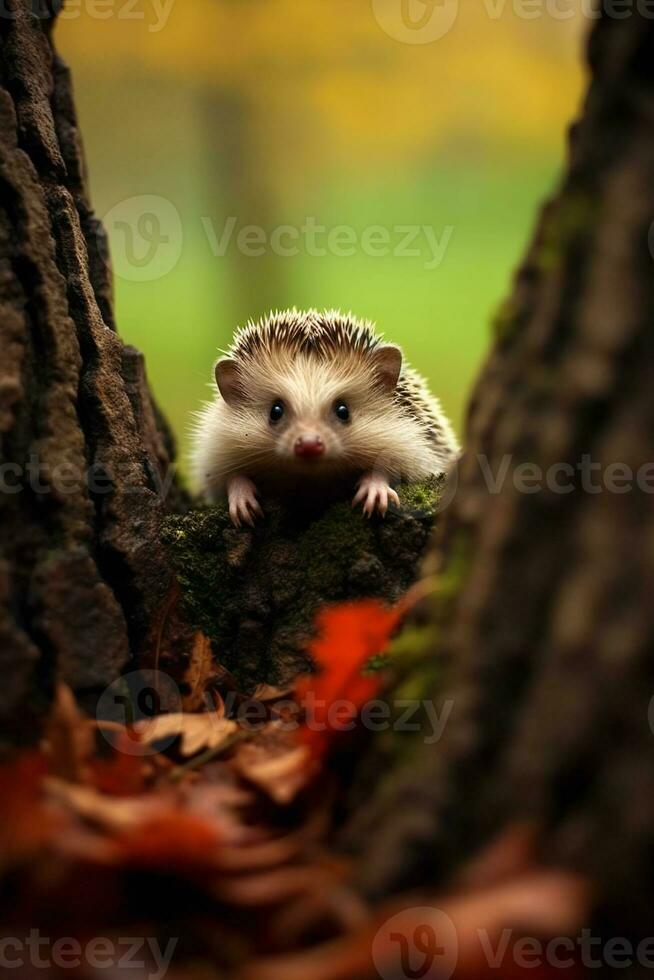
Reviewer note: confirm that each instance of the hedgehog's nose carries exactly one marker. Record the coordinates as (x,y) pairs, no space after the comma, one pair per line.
(309,446)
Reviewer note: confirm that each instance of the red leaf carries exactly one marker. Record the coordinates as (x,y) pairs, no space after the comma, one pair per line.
(171,841)
(121,774)
(348,635)
(26,825)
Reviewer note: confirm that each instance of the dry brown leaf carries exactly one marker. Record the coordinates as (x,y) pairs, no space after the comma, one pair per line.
(275,764)
(263,855)
(268,692)
(339,906)
(276,886)
(111,812)
(540,902)
(69,736)
(207,730)
(200,669)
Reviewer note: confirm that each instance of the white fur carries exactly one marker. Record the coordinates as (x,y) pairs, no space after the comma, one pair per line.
(381,435)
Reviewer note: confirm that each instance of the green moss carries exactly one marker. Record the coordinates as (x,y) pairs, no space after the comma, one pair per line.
(414,657)
(328,545)
(423,496)
(415,668)
(506,321)
(379,662)
(564,224)
(193,541)
(456,570)
(410,644)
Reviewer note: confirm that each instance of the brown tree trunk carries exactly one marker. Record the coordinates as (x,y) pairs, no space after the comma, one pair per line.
(84,454)
(549,638)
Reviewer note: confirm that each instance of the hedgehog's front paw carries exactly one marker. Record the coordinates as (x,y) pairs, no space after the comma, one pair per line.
(242,499)
(375,494)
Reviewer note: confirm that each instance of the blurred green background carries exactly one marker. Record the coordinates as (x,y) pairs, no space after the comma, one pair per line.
(198,113)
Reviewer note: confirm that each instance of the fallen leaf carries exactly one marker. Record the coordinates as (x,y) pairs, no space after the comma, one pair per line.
(268,692)
(27,824)
(110,812)
(531,902)
(209,729)
(275,763)
(200,669)
(264,855)
(172,840)
(122,773)
(278,885)
(347,636)
(69,736)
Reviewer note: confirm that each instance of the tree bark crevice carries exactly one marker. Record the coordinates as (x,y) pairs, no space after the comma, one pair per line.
(81,442)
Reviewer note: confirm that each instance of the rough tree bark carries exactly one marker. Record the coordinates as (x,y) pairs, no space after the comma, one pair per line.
(548,641)
(83,449)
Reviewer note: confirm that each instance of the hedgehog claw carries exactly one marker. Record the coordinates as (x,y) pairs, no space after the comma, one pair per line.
(375,494)
(243,504)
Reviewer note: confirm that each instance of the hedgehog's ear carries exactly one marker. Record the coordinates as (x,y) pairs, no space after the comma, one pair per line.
(387,361)
(228,381)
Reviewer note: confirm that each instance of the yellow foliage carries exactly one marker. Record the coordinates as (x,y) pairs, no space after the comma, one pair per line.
(328,67)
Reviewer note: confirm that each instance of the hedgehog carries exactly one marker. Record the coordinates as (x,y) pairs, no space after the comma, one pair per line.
(311,400)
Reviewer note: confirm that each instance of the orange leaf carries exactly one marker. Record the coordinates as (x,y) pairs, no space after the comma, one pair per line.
(348,635)
(27,825)
(171,841)
(121,774)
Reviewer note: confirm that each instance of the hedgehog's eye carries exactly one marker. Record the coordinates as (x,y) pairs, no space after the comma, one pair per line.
(276,411)
(342,412)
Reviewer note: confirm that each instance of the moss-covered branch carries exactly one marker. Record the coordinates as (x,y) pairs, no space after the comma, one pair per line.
(255,592)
